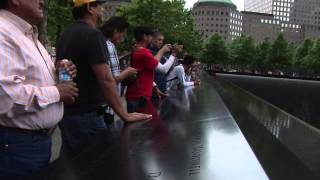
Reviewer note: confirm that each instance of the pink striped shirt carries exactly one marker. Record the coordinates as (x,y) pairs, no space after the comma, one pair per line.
(28,97)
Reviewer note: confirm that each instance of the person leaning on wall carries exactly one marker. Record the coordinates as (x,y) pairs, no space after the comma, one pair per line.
(30,97)
(83,43)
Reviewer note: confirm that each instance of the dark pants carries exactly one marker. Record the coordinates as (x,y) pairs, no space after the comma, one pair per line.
(78,129)
(138,105)
(22,154)
(108,119)
(133,106)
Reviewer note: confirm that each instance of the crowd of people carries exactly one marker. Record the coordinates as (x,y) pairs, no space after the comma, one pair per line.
(33,102)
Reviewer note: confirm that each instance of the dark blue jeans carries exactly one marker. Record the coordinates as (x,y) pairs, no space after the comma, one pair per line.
(132,106)
(78,129)
(22,154)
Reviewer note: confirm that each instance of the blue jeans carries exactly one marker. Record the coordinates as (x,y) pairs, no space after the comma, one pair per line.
(22,154)
(132,106)
(77,129)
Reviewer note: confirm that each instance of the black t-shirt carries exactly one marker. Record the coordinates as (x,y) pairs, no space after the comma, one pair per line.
(85,46)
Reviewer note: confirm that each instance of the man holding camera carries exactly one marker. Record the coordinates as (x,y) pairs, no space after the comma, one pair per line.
(161,76)
(140,91)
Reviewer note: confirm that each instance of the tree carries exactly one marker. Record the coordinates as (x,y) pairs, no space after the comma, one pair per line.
(169,17)
(235,48)
(312,61)
(243,51)
(59,17)
(43,32)
(215,51)
(263,51)
(302,51)
(280,54)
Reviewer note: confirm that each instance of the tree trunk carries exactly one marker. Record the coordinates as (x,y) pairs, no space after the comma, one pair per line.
(43,32)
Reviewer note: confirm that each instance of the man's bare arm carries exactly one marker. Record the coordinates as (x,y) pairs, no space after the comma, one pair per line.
(110,94)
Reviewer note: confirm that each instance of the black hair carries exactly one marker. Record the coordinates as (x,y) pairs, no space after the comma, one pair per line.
(117,23)
(157,33)
(4,4)
(140,31)
(81,11)
(188,60)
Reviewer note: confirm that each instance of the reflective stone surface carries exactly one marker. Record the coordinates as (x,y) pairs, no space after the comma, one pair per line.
(301,98)
(194,137)
(287,147)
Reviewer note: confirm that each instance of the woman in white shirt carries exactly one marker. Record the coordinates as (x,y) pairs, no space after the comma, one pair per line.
(180,76)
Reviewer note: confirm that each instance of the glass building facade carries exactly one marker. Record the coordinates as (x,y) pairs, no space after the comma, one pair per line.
(295,16)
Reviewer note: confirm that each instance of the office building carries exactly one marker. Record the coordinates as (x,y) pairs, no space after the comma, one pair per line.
(299,19)
(217,16)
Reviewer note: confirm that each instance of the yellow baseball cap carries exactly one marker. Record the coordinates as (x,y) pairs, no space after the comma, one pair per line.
(78,3)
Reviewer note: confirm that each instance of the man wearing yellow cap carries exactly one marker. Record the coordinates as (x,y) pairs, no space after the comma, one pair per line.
(84,44)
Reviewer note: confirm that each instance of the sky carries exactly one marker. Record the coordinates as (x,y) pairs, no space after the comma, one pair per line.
(238,3)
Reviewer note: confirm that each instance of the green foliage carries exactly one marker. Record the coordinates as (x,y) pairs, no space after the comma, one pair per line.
(59,17)
(177,24)
(263,51)
(215,51)
(302,51)
(243,51)
(280,54)
(168,17)
(312,61)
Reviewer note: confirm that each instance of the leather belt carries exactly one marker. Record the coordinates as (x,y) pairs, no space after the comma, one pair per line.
(48,132)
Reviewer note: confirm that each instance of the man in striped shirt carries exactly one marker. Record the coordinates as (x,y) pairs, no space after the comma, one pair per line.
(114,31)
(30,99)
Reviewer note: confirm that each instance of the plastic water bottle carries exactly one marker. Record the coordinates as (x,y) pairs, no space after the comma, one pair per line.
(63,73)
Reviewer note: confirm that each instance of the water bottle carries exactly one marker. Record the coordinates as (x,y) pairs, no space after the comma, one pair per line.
(63,73)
